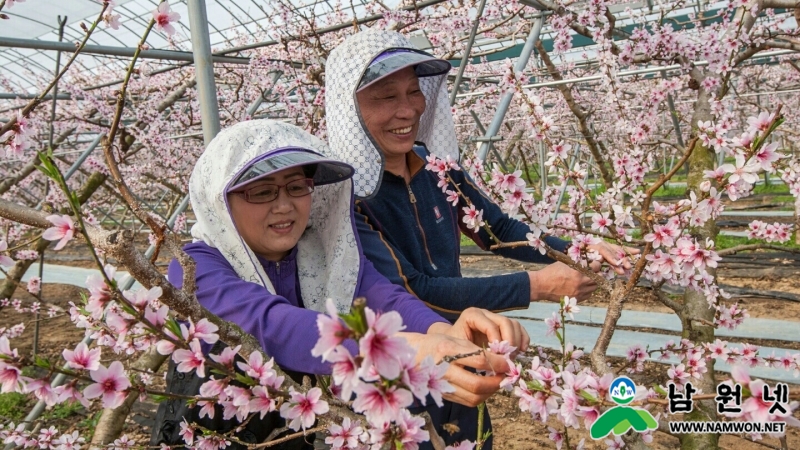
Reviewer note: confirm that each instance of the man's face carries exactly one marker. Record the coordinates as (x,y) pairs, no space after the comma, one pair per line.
(391,109)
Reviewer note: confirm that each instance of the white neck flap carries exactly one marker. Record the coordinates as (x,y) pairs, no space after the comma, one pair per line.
(328,260)
(349,140)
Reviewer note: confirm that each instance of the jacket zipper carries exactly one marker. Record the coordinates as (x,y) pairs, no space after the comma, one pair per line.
(413,200)
(278,267)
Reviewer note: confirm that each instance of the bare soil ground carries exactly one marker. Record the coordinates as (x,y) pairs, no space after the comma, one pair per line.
(513,429)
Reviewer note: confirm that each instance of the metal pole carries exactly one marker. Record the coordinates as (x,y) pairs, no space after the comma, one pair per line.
(676,125)
(500,114)
(204,68)
(628,73)
(170,55)
(467,51)
(61,24)
(82,158)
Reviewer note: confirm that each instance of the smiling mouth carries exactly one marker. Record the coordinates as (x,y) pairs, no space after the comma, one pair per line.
(282,226)
(405,130)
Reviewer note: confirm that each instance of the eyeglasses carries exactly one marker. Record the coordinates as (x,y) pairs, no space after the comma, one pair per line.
(265,193)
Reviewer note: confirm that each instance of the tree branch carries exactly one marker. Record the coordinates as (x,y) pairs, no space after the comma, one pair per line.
(751,247)
(579,114)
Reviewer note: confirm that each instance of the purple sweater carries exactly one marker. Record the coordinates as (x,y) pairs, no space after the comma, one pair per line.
(286,330)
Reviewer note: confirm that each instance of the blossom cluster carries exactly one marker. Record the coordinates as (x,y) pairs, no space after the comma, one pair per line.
(383,378)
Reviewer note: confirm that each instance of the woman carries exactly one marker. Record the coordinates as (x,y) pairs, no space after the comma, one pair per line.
(275,238)
(387,109)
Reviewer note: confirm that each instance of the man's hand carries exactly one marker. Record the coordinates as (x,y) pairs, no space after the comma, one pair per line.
(558,280)
(616,256)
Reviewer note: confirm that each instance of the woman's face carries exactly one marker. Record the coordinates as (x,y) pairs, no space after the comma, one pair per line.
(272,229)
(391,109)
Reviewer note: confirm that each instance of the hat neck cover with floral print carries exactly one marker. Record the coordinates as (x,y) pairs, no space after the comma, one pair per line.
(348,138)
(328,257)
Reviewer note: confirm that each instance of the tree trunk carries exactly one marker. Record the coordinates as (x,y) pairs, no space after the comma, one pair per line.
(695,314)
(111,422)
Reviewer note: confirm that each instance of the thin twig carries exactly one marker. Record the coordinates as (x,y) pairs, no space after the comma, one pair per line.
(288,438)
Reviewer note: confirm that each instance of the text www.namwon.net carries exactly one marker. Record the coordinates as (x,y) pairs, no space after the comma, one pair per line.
(727,427)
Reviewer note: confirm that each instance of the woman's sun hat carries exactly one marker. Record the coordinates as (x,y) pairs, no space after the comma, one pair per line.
(326,171)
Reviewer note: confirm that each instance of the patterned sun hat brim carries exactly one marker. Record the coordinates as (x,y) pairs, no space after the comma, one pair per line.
(392,60)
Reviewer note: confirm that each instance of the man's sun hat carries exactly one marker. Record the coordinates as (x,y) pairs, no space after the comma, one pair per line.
(394,59)
(327,170)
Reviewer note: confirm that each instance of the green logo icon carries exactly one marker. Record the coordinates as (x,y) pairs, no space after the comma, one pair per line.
(620,419)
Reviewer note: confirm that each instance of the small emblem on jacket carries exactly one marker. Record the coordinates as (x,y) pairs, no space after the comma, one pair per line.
(438,214)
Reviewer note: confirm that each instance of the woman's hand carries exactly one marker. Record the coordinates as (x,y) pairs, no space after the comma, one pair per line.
(470,389)
(481,327)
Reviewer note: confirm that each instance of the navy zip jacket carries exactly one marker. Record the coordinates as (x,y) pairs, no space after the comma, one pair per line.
(412,236)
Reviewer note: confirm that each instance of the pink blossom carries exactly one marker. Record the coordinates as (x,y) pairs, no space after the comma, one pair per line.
(437,385)
(69,441)
(344,436)
(68,392)
(744,170)
(415,377)
(5,260)
(164,17)
(10,3)
(203,330)
(34,285)
(332,331)
(227,356)
(501,348)
(82,357)
(124,442)
(190,359)
(381,404)
(111,383)
(553,324)
(143,297)
(237,404)
(767,155)
(412,430)
(62,231)
(344,371)
(600,222)
(379,347)
(157,318)
(111,21)
(452,197)
(760,123)
(303,408)
(570,306)
(187,432)
(678,375)
(261,401)
(10,378)
(257,368)
(473,218)
(99,291)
